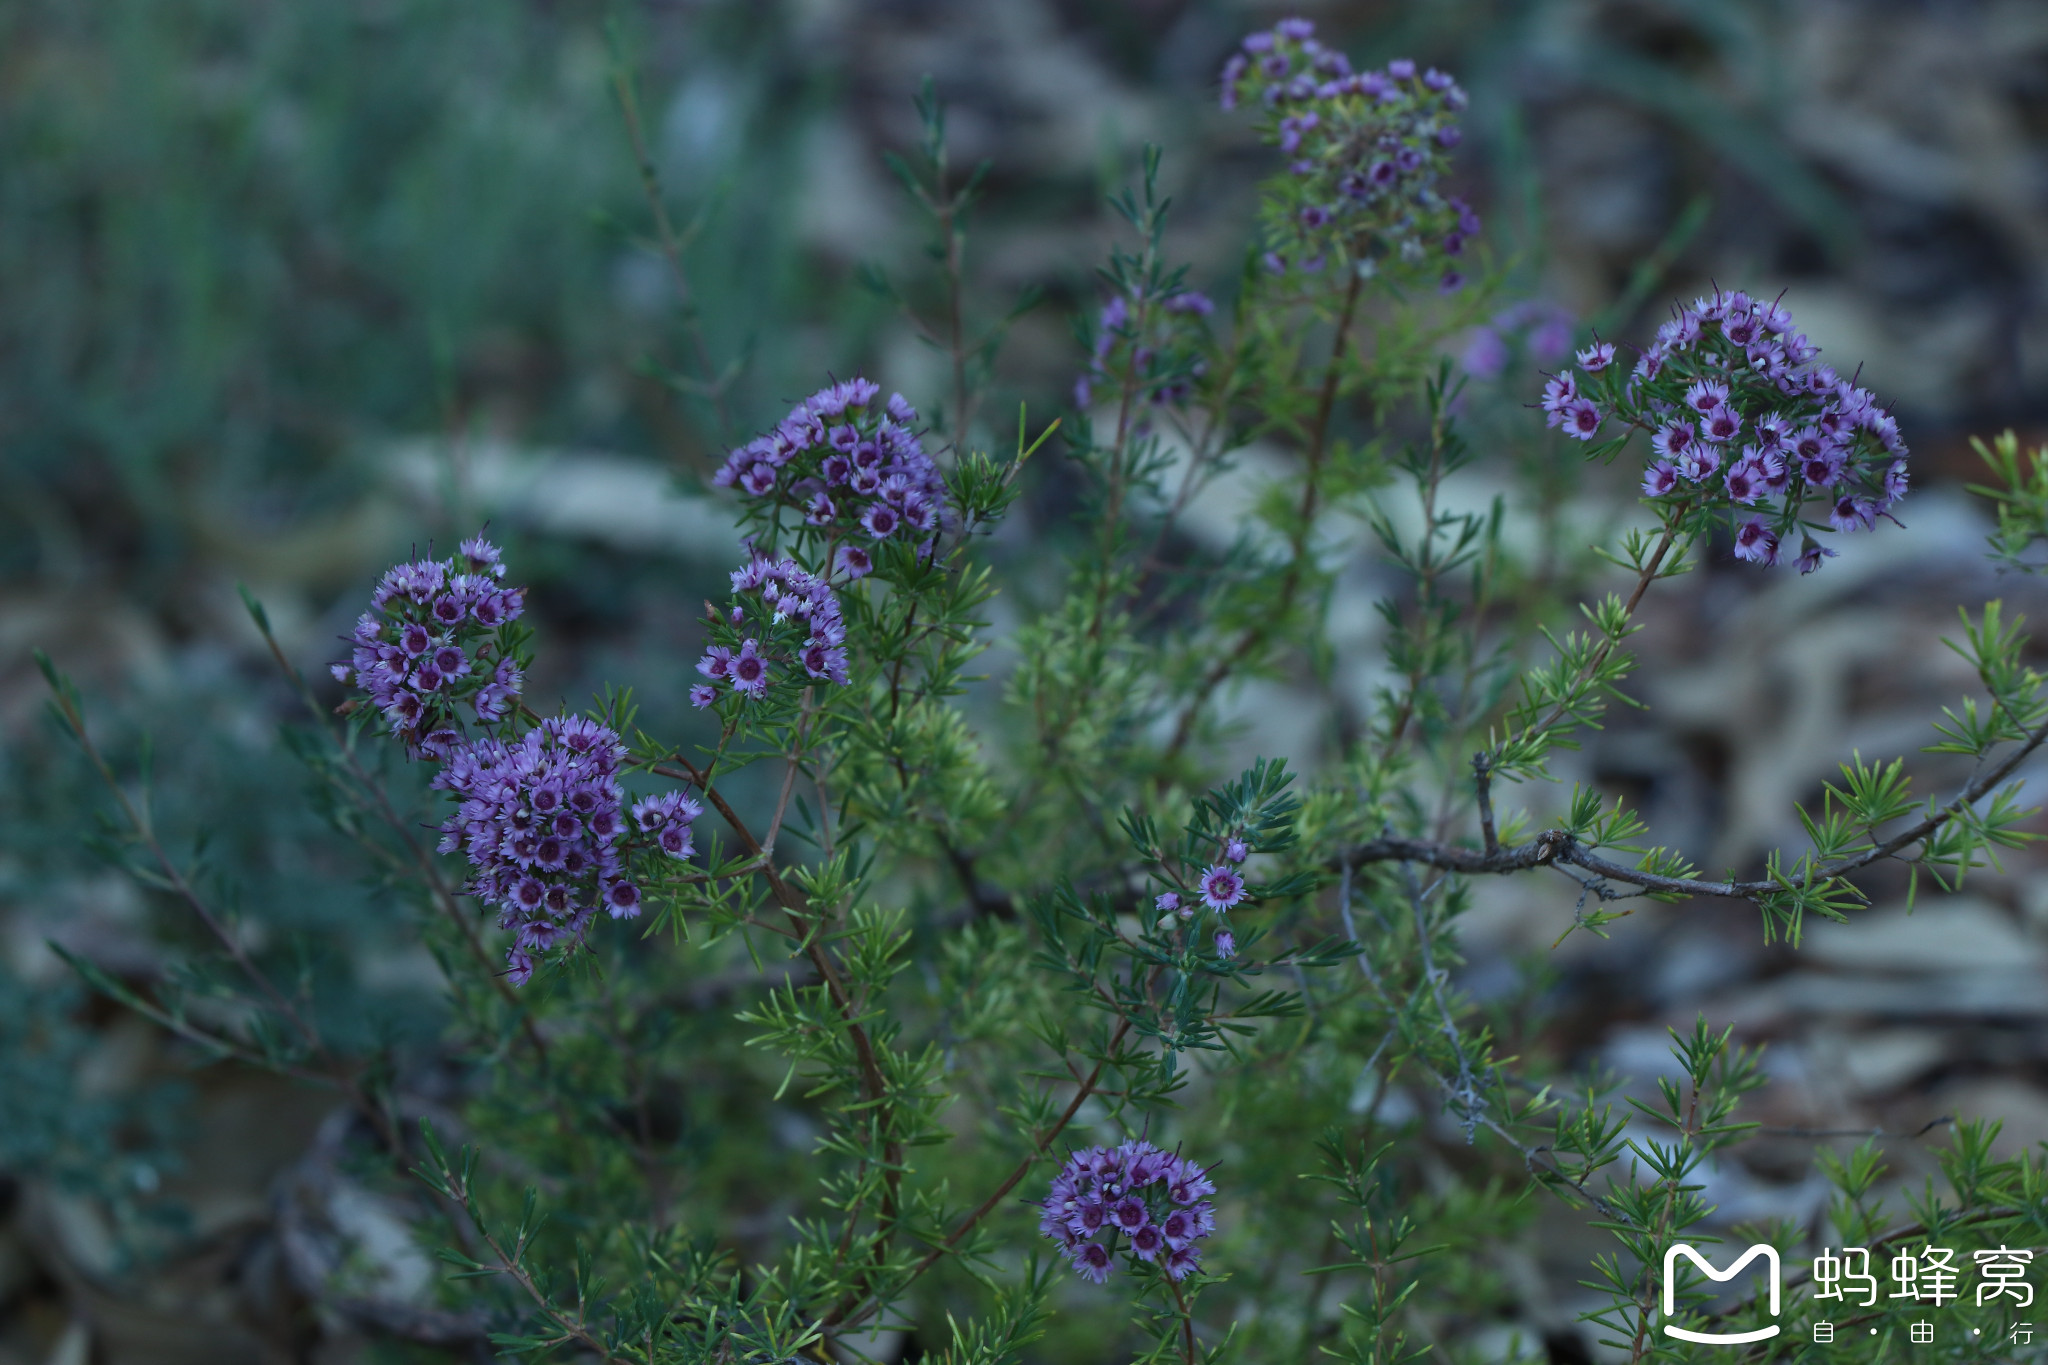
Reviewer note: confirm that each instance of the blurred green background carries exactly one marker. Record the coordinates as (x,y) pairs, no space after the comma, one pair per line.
(286,290)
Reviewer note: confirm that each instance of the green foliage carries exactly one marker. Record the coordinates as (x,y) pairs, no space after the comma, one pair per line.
(2020,497)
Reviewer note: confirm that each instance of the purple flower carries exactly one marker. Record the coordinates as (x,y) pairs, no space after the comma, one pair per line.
(1811,553)
(1147,1242)
(1129,1214)
(1673,439)
(1092,1260)
(1222,887)
(1188,1183)
(1560,392)
(1744,481)
(1707,396)
(1292,127)
(1085,1215)
(1182,1262)
(1226,944)
(622,899)
(854,562)
(1723,424)
(1660,479)
(750,670)
(702,695)
(1579,418)
(1894,482)
(1233,72)
(1596,357)
(1485,354)
(483,557)
(651,813)
(825,661)
(1853,514)
(1166,902)
(1189,302)
(1822,468)
(1756,542)
(1236,850)
(1700,463)
(880,519)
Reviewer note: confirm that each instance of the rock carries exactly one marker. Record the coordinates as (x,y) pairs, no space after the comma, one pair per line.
(1885,1059)
(1944,934)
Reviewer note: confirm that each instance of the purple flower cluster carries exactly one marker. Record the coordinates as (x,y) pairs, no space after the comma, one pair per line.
(1135,1198)
(432,639)
(849,465)
(1544,329)
(795,622)
(1158,343)
(541,824)
(1741,415)
(1365,149)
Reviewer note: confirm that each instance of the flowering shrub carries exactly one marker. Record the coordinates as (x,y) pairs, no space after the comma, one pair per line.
(908,958)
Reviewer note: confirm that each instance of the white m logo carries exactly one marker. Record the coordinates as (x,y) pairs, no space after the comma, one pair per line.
(1706,1267)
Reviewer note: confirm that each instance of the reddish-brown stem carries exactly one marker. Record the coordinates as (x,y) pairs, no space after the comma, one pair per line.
(1187,1322)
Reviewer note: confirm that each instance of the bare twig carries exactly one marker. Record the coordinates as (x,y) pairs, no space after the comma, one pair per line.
(1482,790)
(1558,846)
